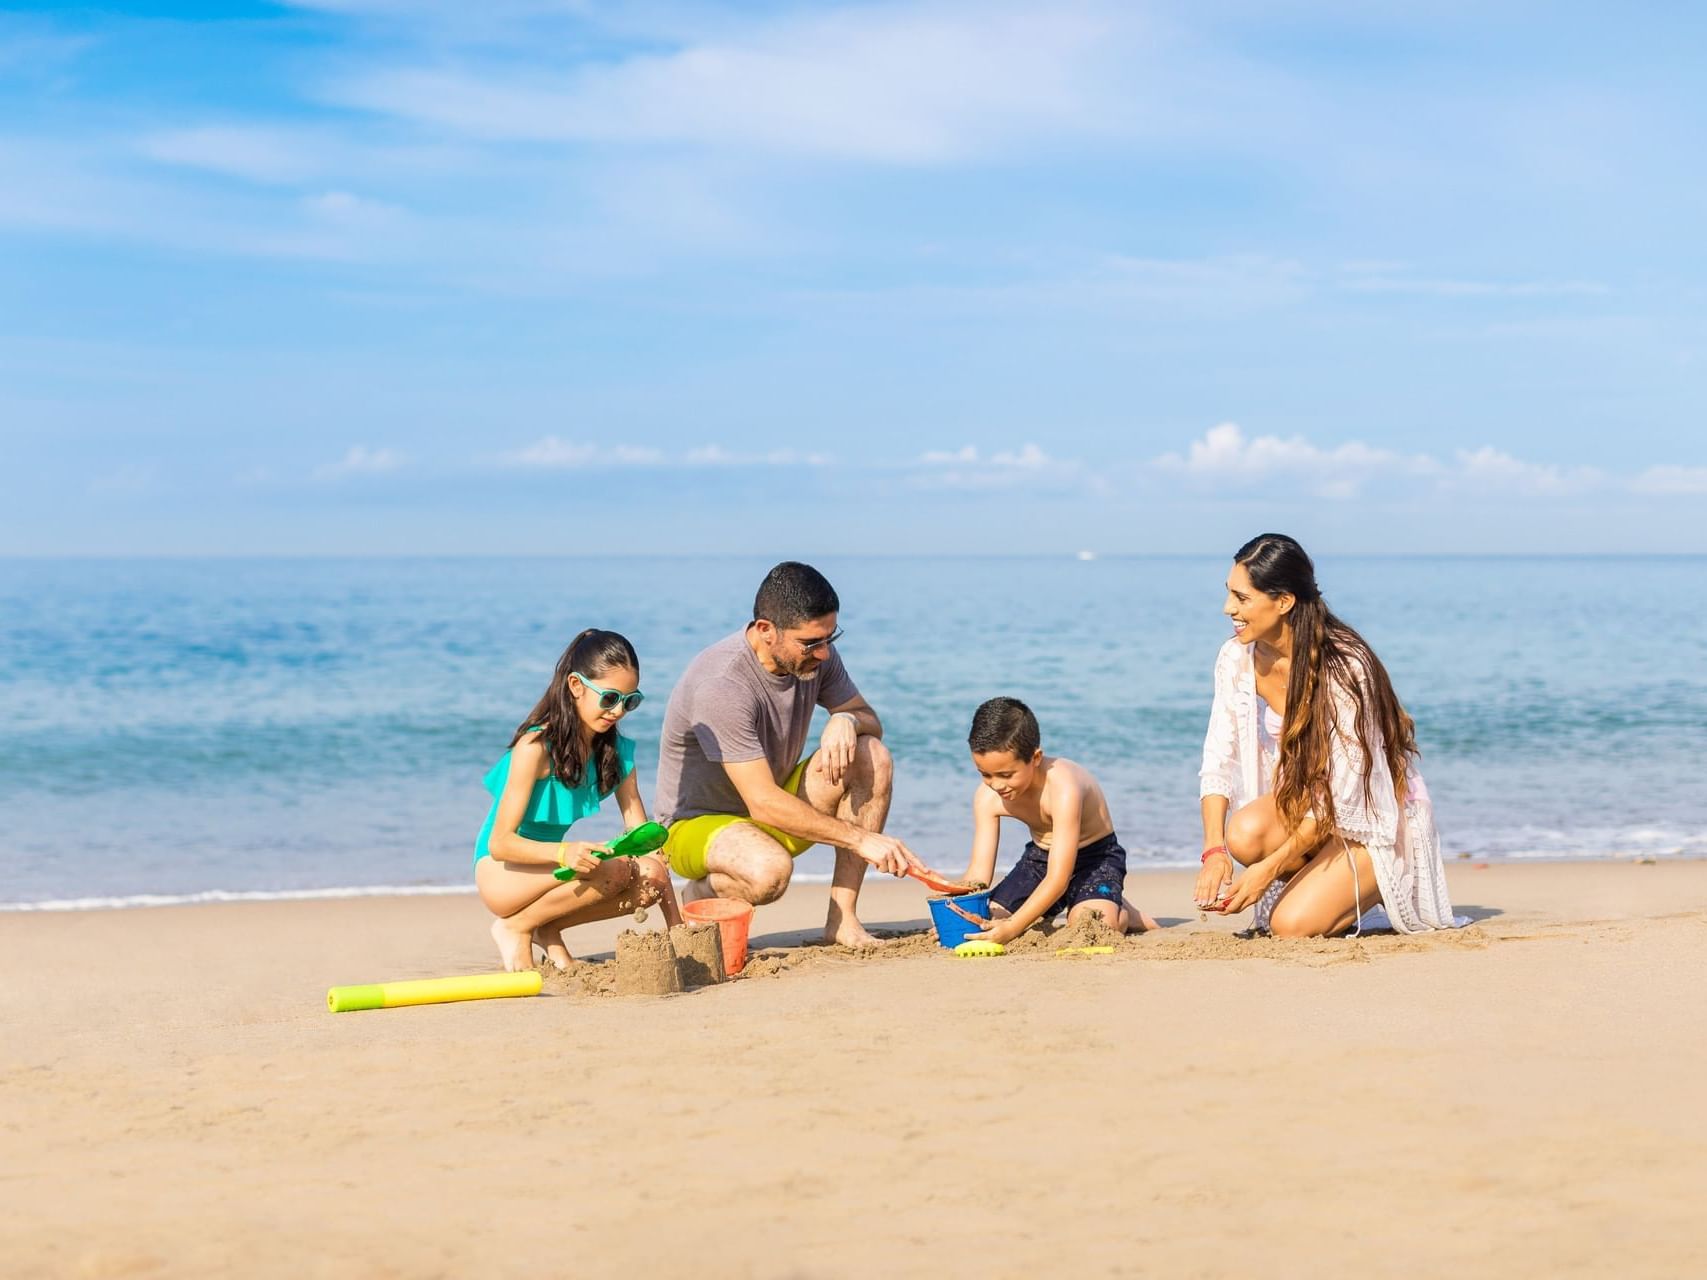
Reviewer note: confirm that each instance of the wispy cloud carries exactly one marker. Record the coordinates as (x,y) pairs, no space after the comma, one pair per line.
(1672,480)
(1492,468)
(361,461)
(970,468)
(896,84)
(1397,278)
(552,453)
(1226,458)
(1226,455)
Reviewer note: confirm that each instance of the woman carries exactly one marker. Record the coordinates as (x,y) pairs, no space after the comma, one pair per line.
(1310,749)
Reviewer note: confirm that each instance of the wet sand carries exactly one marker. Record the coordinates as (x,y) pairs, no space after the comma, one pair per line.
(1517,1098)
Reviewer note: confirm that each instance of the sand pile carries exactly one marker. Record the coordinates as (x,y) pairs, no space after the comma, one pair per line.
(699,954)
(646,965)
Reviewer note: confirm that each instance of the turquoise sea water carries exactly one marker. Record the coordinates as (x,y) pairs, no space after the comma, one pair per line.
(189,728)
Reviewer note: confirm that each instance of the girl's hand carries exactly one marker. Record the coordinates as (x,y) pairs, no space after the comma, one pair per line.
(581,857)
(1246,888)
(1217,871)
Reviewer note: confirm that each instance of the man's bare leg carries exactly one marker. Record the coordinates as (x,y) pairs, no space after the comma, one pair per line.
(743,863)
(862,799)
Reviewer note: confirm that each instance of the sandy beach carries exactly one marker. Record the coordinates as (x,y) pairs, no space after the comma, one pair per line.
(1516,1098)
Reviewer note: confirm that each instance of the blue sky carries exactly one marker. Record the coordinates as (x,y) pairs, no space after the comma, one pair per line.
(387,276)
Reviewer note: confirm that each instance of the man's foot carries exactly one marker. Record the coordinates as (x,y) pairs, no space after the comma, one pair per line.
(514,949)
(694,890)
(851,933)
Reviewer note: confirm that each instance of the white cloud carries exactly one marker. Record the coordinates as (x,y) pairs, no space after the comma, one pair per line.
(968,468)
(1397,278)
(252,153)
(1225,454)
(1671,479)
(361,461)
(892,84)
(1491,468)
(553,453)
(1226,458)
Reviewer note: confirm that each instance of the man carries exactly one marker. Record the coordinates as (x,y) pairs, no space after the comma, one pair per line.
(741,795)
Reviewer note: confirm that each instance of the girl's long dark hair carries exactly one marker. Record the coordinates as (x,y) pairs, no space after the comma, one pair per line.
(592,653)
(1329,659)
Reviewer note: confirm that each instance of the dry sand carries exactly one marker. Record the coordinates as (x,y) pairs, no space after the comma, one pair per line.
(1522,1098)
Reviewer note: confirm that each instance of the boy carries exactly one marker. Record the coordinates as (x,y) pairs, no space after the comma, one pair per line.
(1073,861)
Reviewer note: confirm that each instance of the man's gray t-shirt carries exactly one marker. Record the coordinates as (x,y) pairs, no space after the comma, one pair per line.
(727,708)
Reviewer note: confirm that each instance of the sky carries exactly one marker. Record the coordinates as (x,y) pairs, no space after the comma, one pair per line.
(373,277)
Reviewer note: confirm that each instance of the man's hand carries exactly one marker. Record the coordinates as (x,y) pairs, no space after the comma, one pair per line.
(1246,888)
(886,853)
(841,736)
(1217,871)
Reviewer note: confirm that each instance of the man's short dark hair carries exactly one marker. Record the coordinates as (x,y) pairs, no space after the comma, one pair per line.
(1005,724)
(793,593)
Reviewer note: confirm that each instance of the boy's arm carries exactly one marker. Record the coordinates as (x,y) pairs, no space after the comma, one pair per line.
(986,838)
(1067,806)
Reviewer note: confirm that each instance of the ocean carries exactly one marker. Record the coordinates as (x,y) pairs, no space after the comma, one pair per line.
(185,730)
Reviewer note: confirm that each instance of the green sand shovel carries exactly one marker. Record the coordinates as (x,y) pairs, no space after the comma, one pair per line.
(648,837)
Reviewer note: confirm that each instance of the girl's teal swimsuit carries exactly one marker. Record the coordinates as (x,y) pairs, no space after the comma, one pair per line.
(552,808)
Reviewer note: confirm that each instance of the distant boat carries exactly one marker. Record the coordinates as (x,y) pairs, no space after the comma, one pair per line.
(1087,555)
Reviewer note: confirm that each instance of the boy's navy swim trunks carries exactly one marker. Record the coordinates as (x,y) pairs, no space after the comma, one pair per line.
(1098,873)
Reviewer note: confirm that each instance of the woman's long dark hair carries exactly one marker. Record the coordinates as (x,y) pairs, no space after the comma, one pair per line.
(1328,659)
(592,653)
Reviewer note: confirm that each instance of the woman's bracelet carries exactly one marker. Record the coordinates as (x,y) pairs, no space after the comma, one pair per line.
(1220,848)
(562,853)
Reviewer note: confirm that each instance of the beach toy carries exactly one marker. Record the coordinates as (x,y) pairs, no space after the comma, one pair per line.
(949,916)
(733,919)
(393,995)
(980,949)
(1084,951)
(932,880)
(648,837)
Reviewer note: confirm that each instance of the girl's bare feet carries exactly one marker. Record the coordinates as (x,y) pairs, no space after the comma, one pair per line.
(550,939)
(515,950)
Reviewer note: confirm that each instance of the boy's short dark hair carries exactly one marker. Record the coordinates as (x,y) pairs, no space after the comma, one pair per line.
(1005,724)
(793,593)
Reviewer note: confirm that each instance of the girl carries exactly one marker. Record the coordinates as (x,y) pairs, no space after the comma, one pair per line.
(1309,740)
(563,759)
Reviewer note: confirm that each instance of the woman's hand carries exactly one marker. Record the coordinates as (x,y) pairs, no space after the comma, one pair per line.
(1247,887)
(1217,871)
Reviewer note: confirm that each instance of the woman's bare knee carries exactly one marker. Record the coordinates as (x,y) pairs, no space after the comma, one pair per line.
(1246,833)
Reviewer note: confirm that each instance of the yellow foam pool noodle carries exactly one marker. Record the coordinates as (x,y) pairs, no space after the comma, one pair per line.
(393,995)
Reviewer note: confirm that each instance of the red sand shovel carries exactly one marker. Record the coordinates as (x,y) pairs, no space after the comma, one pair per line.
(931,880)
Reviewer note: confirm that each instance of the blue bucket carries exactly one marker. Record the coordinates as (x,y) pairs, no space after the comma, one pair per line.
(951,930)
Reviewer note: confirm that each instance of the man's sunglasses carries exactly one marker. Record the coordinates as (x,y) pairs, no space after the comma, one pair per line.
(611,699)
(822,642)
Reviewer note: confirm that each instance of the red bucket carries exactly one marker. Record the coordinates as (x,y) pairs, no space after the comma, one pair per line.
(733,919)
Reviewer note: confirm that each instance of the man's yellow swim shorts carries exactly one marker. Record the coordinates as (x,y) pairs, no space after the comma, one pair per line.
(691,837)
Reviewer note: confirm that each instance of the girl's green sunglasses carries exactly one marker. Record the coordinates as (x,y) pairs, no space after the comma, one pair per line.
(609,699)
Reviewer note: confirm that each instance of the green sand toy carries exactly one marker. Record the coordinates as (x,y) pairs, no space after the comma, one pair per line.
(648,837)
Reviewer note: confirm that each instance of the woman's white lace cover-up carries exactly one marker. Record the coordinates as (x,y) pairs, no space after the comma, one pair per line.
(1403,844)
